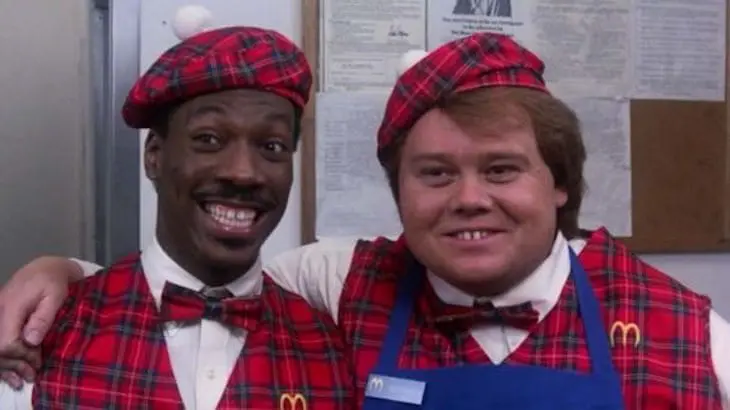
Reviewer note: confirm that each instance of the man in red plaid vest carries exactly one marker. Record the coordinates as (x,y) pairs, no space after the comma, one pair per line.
(192,322)
(493,297)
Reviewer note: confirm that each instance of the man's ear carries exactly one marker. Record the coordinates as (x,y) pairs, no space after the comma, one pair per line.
(153,155)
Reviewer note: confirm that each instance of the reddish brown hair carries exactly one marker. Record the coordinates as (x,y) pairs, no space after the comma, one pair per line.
(556,128)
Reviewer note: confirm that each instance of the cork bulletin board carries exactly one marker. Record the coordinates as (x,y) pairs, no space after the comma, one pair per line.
(680,165)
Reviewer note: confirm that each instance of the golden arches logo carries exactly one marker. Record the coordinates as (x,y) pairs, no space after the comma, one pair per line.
(290,401)
(625,329)
(376,384)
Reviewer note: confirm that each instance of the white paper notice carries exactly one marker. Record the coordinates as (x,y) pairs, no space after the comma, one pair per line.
(606,134)
(452,19)
(353,197)
(680,49)
(363,40)
(584,43)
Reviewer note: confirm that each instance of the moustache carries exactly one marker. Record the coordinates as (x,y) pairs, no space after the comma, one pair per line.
(254,196)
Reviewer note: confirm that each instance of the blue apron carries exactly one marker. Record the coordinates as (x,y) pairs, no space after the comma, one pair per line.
(502,387)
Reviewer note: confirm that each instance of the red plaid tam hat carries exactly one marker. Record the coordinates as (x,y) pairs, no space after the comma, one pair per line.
(479,60)
(218,60)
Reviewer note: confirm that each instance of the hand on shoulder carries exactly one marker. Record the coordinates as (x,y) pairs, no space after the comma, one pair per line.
(29,302)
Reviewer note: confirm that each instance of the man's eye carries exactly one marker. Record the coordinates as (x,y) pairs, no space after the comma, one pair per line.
(207,139)
(503,173)
(433,172)
(436,176)
(276,147)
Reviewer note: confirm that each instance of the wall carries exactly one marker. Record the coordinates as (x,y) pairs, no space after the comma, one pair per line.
(43,130)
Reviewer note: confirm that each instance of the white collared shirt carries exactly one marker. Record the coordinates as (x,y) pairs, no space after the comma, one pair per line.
(202,355)
(317,272)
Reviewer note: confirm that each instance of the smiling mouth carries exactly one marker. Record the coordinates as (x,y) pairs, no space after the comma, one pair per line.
(238,217)
(472,235)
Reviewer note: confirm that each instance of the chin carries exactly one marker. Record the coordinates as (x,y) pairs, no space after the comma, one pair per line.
(481,266)
(479,273)
(228,255)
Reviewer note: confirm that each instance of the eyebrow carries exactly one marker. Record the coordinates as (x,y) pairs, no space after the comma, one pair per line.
(278,117)
(429,156)
(205,110)
(443,157)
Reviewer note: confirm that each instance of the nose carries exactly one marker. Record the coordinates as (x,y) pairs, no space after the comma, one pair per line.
(238,164)
(471,196)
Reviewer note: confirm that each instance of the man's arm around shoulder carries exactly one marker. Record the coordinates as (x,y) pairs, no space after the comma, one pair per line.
(316,272)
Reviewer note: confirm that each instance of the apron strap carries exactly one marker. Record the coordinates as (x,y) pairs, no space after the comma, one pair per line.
(596,336)
(406,294)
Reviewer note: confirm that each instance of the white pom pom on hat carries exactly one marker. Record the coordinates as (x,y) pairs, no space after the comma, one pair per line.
(409,59)
(191,20)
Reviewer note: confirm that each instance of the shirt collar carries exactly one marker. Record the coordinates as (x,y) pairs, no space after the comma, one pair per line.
(160,268)
(542,287)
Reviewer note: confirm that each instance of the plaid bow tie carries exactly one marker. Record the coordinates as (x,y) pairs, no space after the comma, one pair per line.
(522,316)
(181,304)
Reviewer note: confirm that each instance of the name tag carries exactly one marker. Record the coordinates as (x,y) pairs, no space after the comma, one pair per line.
(395,389)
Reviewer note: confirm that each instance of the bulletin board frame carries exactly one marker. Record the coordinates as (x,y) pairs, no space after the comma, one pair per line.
(311,48)
(680,159)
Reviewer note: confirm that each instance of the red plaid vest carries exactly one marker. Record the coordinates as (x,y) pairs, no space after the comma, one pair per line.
(107,351)
(668,367)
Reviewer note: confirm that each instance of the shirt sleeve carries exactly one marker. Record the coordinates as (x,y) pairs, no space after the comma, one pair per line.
(316,272)
(16,400)
(720,346)
(89,268)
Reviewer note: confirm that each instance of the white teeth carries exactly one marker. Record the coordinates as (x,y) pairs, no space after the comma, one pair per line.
(231,217)
(472,235)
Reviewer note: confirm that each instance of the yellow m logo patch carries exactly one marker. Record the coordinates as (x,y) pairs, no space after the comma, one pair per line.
(289,401)
(624,330)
